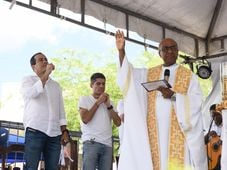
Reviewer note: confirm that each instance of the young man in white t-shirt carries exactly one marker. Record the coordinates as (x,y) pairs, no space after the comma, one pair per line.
(97,113)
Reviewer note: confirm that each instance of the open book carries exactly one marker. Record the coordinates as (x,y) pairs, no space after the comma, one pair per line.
(153,85)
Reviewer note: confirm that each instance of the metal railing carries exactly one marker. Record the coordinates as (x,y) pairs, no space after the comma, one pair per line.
(75,144)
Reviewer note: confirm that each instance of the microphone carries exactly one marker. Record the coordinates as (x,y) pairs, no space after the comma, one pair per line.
(166,75)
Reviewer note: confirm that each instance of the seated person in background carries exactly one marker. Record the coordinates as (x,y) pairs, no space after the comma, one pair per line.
(216,123)
(213,139)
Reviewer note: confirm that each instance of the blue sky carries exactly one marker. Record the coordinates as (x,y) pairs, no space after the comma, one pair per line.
(24,32)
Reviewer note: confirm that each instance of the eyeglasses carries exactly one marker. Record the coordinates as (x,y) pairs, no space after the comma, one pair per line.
(167,48)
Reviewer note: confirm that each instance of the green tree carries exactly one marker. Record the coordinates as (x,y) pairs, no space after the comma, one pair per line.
(74,68)
(73,71)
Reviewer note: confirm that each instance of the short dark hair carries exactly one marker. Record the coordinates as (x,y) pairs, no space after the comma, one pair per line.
(213,107)
(95,76)
(32,60)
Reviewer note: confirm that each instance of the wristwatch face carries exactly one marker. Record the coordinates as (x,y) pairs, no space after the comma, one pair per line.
(204,72)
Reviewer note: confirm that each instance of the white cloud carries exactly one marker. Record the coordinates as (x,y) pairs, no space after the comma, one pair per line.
(11,102)
(21,25)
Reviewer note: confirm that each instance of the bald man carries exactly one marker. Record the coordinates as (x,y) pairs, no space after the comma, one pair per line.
(163,128)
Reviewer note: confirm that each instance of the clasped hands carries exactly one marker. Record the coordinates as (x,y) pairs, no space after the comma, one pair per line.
(104,98)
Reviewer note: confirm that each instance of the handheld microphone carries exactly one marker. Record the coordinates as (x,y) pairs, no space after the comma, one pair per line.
(166,75)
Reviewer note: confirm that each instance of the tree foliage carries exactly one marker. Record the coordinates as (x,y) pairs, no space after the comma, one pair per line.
(73,71)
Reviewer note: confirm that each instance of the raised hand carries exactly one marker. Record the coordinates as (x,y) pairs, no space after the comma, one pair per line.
(120,40)
(120,44)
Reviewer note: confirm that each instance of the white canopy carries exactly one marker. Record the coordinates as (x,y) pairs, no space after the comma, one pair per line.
(198,26)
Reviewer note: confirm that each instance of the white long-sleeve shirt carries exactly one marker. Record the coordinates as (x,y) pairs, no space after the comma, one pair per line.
(43,106)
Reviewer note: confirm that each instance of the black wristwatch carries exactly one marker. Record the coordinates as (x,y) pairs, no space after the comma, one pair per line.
(109,108)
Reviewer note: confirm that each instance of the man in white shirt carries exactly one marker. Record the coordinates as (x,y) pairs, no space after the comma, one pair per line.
(166,122)
(44,115)
(97,113)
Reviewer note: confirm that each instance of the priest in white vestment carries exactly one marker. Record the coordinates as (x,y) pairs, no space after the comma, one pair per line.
(163,128)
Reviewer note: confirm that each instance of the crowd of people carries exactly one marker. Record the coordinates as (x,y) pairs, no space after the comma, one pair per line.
(159,129)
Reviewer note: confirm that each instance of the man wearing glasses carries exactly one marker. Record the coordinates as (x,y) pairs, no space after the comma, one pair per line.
(167,122)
